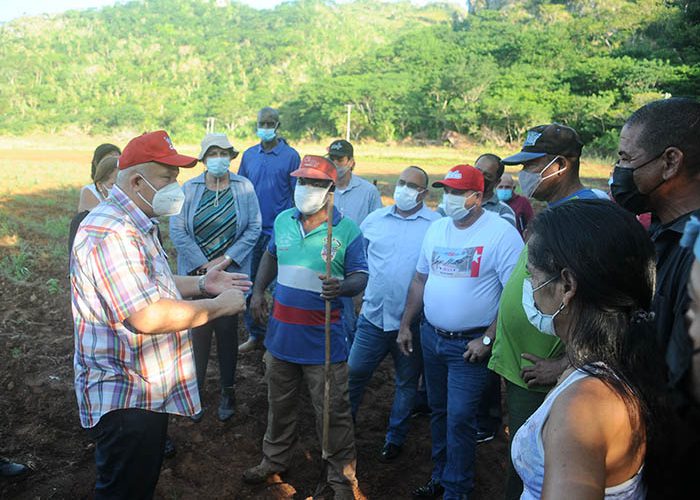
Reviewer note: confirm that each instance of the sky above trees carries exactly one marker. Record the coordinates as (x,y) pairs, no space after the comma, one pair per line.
(12,9)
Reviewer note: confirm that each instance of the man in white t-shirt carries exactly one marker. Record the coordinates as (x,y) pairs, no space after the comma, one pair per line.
(465,261)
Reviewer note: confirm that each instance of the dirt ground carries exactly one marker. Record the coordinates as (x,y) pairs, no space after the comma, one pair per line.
(40,425)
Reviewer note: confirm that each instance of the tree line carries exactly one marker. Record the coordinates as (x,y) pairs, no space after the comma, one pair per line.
(409,72)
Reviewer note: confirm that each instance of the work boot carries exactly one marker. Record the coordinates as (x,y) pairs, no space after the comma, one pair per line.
(227,404)
(249,345)
(260,473)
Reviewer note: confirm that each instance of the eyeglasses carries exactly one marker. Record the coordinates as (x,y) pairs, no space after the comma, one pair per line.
(542,285)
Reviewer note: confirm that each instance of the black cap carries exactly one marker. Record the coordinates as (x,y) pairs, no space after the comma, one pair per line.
(339,148)
(552,139)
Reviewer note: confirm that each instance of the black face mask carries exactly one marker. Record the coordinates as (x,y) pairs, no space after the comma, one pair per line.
(626,192)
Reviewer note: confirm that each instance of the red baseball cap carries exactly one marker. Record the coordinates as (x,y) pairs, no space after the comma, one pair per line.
(316,167)
(463,177)
(153,146)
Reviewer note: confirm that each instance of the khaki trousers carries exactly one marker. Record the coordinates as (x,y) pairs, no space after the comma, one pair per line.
(283,384)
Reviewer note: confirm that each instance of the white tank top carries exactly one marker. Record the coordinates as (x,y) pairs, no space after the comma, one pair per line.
(527,452)
(91,187)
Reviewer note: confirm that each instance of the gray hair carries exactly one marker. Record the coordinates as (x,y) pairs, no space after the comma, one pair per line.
(124,176)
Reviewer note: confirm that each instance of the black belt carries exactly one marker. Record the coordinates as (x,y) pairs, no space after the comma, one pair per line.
(461,334)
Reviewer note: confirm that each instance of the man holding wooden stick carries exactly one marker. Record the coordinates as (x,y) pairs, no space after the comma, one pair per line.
(296,338)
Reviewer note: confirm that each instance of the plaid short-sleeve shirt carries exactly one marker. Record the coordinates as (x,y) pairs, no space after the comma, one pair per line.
(118,267)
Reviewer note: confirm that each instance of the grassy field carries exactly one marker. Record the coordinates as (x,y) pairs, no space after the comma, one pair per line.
(36,163)
(41,176)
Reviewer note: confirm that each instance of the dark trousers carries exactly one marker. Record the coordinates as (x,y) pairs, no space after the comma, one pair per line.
(128,453)
(226,329)
(488,416)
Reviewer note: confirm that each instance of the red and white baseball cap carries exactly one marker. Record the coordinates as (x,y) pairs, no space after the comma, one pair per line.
(153,146)
(464,178)
(316,167)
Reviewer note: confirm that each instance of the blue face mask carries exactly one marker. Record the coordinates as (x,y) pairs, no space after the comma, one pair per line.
(543,322)
(504,194)
(266,134)
(218,167)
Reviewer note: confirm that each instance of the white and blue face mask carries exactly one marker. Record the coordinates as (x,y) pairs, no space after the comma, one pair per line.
(543,322)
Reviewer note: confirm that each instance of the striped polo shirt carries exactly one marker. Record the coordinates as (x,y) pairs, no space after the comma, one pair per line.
(296,331)
(118,267)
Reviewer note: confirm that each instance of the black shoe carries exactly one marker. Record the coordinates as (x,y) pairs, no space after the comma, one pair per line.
(169,448)
(431,489)
(483,436)
(12,469)
(389,452)
(227,404)
(197,417)
(420,411)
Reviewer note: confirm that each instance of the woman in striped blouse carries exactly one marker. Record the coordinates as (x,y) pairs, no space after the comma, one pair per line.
(220,220)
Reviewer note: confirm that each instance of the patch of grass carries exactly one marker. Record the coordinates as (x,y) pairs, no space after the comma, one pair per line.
(16,267)
(57,227)
(52,286)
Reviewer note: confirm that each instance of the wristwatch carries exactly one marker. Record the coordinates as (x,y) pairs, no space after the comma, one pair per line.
(486,340)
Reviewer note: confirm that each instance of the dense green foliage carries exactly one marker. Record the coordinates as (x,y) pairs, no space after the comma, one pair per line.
(408,71)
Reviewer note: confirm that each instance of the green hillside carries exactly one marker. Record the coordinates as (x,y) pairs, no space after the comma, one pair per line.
(408,71)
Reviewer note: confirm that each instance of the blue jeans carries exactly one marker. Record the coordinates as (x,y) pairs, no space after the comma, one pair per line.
(349,319)
(255,331)
(369,349)
(454,390)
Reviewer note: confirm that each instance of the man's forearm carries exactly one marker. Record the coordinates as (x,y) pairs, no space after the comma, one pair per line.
(414,301)
(267,271)
(170,315)
(188,286)
(353,284)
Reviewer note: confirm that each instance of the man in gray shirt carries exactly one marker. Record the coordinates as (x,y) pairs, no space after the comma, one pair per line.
(492,168)
(356,198)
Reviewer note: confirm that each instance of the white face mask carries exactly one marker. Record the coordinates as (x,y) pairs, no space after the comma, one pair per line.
(454,205)
(406,198)
(530,181)
(167,200)
(309,199)
(543,322)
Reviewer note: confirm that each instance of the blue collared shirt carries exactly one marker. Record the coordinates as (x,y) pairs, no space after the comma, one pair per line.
(393,246)
(269,172)
(358,200)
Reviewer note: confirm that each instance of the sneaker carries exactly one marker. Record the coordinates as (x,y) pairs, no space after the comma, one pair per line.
(249,345)
(483,436)
(260,473)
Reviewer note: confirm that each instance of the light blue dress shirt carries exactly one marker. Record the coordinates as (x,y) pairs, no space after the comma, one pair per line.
(393,246)
(358,200)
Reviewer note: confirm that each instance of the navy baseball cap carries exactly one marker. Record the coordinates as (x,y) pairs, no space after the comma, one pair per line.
(552,139)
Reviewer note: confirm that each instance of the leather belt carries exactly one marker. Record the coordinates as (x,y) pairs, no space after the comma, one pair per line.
(461,334)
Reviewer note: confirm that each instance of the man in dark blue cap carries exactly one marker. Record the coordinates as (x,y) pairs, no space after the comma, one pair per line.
(529,360)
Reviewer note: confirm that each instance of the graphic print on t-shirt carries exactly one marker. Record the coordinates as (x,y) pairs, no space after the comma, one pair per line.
(456,262)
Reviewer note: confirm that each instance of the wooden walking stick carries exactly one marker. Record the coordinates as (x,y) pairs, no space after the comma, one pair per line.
(327,365)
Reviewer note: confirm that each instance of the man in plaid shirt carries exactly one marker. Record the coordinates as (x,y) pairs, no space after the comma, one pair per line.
(133,353)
